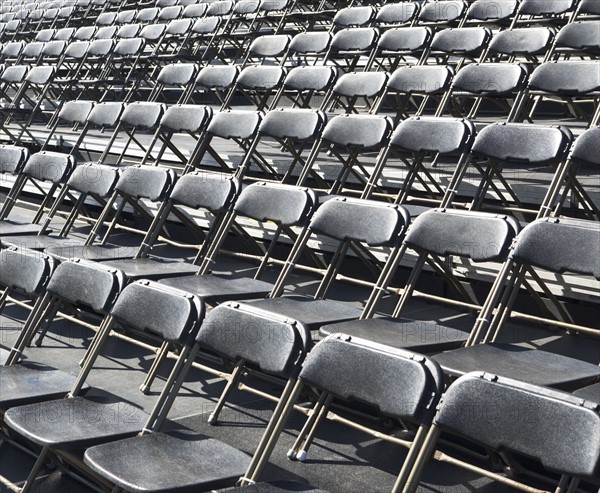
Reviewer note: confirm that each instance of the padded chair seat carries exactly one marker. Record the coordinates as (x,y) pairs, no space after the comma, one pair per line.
(12,228)
(37,242)
(589,393)
(93,252)
(274,487)
(151,268)
(86,422)
(310,312)
(25,384)
(416,335)
(176,462)
(215,289)
(519,363)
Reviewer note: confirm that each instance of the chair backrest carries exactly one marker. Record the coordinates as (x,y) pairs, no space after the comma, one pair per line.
(545,9)
(401,384)
(231,124)
(217,76)
(560,245)
(495,79)
(49,166)
(362,84)
(12,158)
(201,190)
(582,35)
(88,284)
(40,75)
(271,45)
(295,124)
(354,16)
(306,78)
(25,271)
(105,114)
(566,78)
(145,182)
(459,41)
(586,149)
(177,74)
(142,114)
(498,10)
(151,307)
(76,111)
(433,135)
(260,77)
(186,118)
(312,42)
(396,13)
(239,332)
(511,416)
(405,39)
(98,180)
(424,79)
(365,131)
(442,11)
(354,39)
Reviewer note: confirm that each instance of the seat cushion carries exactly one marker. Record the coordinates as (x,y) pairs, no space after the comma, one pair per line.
(520,363)
(38,242)
(416,335)
(10,228)
(151,268)
(93,252)
(589,393)
(216,289)
(178,461)
(75,422)
(312,313)
(28,383)
(275,487)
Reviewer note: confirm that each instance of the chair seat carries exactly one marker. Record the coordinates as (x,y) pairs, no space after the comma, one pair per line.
(175,462)
(310,312)
(87,423)
(12,228)
(151,268)
(589,393)
(93,252)
(274,487)
(416,335)
(37,242)
(25,384)
(520,363)
(216,289)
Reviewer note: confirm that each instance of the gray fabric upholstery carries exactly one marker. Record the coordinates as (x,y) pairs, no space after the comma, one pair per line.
(202,190)
(437,135)
(25,270)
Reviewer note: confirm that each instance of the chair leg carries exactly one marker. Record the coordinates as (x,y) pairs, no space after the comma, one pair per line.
(34,471)
(232,382)
(161,354)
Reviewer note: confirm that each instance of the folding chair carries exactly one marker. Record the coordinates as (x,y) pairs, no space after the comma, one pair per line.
(394,15)
(50,167)
(491,13)
(553,245)
(348,138)
(406,46)
(278,347)
(443,14)
(531,12)
(256,84)
(578,39)
(349,225)
(302,84)
(587,10)
(10,82)
(201,41)
(527,45)
(502,147)
(213,80)
(500,83)
(73,113)
(543,424)
(140,306)
(437,236)
(269,49)
(354,88)
(458,45)
(12,160)
(309,48)
(360,16)
(12,51)
(411,89)
(349,46)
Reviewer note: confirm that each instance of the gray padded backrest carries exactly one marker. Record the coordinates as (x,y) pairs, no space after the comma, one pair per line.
(219,8)
(561,245)
(194,11)
(396,13)
(580,35)
(491,78)
(148,306)
(219,77)
(129,31)
(206,25)
(25,270)
(101,47)
(459,41)
(545,7)
(285,205)
(33,49)
(357,130)
(178,73)
(566,78)
(125,16)
(16,73)
(274,344)
(54,48)
(87,283)
(296,124)
(559,429)
(354,16)
(144,115)
(261,77)
(310,42)
(12,158)
(400,383)
(434,135)
(169,13)
(307,78)
(514,143)
(245,7)
(201,190)
(76,111)
(270,45)
(64,34)
(589,7)
(44,35)
(365,221)
(234,124)
(442,11)
(146,15)
(405,39)
(364,84)
(586,149)
(49,166)
(153,32)
(85,33)
(354,39)
(479,236)
(186,117)
(486,10)
(130,47)
(178,27)
(106,114)
(40,75)
(274,5)
(425,79)
(13,49)
(77,49)
(105,34)
(95,179)
(148,182)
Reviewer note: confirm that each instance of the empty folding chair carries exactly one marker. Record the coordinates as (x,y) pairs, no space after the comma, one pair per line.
(499,83)
(350,225)
(212,85)
(393,15)
(458,46)
(269,49)
(12,160)
(12,51)
(201,40)
(309,48)
(354,88)
(578,39)
(400,46)
(442,14)
(555,12)
(350,48)
(586,10)
(497,13)
(414,90)
(51,168)
(31,53)
(147,15)
(348,138)
(272,15)
(172,79)
(539,423)
(72,113)
(127,31)
(527,45)
(437,236)
(305,87)
(64,34)
(546,245)
(570,83)
(256,85)
(359,16)
(213,463)
(10,82)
